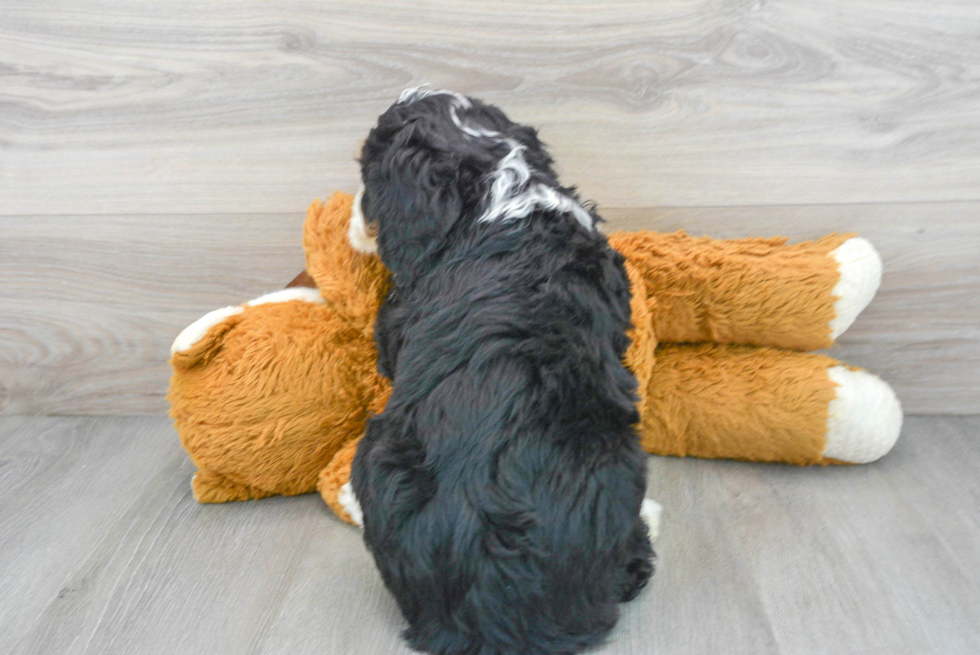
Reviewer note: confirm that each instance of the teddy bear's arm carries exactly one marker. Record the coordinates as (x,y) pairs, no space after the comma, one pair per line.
(752,291)
(353,283)
(765,405)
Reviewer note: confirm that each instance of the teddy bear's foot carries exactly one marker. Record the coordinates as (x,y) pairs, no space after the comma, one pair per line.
(859,265)
(863,420)
(210,487)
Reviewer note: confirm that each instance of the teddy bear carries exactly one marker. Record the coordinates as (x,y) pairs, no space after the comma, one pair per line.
(272,396)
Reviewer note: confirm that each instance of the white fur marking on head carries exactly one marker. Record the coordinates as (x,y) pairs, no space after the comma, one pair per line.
(196,330)
(480,132)
(412,94)
(348,501)
(511,194)
(650,512)
(357,234)
(860,275)
(512,197)
(863,420)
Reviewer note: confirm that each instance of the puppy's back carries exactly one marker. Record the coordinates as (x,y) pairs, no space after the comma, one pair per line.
(502,484)
(495,533)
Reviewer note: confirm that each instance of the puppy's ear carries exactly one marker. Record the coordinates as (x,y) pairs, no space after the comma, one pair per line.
(418,204)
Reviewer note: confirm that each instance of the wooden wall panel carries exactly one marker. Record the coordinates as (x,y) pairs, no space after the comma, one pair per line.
(188,106)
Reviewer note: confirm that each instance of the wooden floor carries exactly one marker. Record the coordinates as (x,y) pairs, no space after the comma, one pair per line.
(106,551)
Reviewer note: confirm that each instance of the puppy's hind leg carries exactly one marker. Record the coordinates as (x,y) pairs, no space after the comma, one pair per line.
(638,565)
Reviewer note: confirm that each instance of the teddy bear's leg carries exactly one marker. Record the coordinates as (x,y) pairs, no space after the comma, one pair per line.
(210,487)
(766,405)
(753,291)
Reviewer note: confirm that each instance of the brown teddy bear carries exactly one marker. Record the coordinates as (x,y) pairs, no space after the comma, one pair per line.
(271,397)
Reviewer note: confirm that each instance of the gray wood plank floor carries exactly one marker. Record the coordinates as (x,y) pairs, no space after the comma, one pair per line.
(103,550)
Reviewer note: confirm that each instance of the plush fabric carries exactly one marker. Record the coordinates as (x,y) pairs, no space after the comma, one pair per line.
(273,398)
(270,395)
(741,291)
(757,404)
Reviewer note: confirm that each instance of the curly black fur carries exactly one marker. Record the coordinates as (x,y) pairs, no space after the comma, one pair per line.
(501,487)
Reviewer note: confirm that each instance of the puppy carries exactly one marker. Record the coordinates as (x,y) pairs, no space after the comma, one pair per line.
(501,486)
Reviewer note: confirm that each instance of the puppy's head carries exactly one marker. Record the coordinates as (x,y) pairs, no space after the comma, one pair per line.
(430,167)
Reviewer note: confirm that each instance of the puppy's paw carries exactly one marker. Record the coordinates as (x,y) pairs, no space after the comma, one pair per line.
(863,420)
(348,500)
(859,265)
(650,512)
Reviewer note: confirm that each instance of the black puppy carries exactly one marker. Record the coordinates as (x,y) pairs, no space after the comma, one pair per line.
(501,487)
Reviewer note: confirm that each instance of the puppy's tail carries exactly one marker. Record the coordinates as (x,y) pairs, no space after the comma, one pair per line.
(513,605)
(548,640)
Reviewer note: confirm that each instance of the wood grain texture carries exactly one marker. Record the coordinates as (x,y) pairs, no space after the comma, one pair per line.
(111,106)
(103,550)
(846,558)
(64,485)
(167,262)
(90,305)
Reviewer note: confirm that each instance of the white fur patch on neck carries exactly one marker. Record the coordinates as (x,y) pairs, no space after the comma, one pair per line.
(512,197)
(358,235)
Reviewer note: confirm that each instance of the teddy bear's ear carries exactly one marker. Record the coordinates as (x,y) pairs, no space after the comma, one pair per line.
(353,283)
(199,341)
(304,279)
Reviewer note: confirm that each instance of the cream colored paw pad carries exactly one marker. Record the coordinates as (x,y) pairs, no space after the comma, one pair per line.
(307,294)
(859,265)
(196,330)
(863,420)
